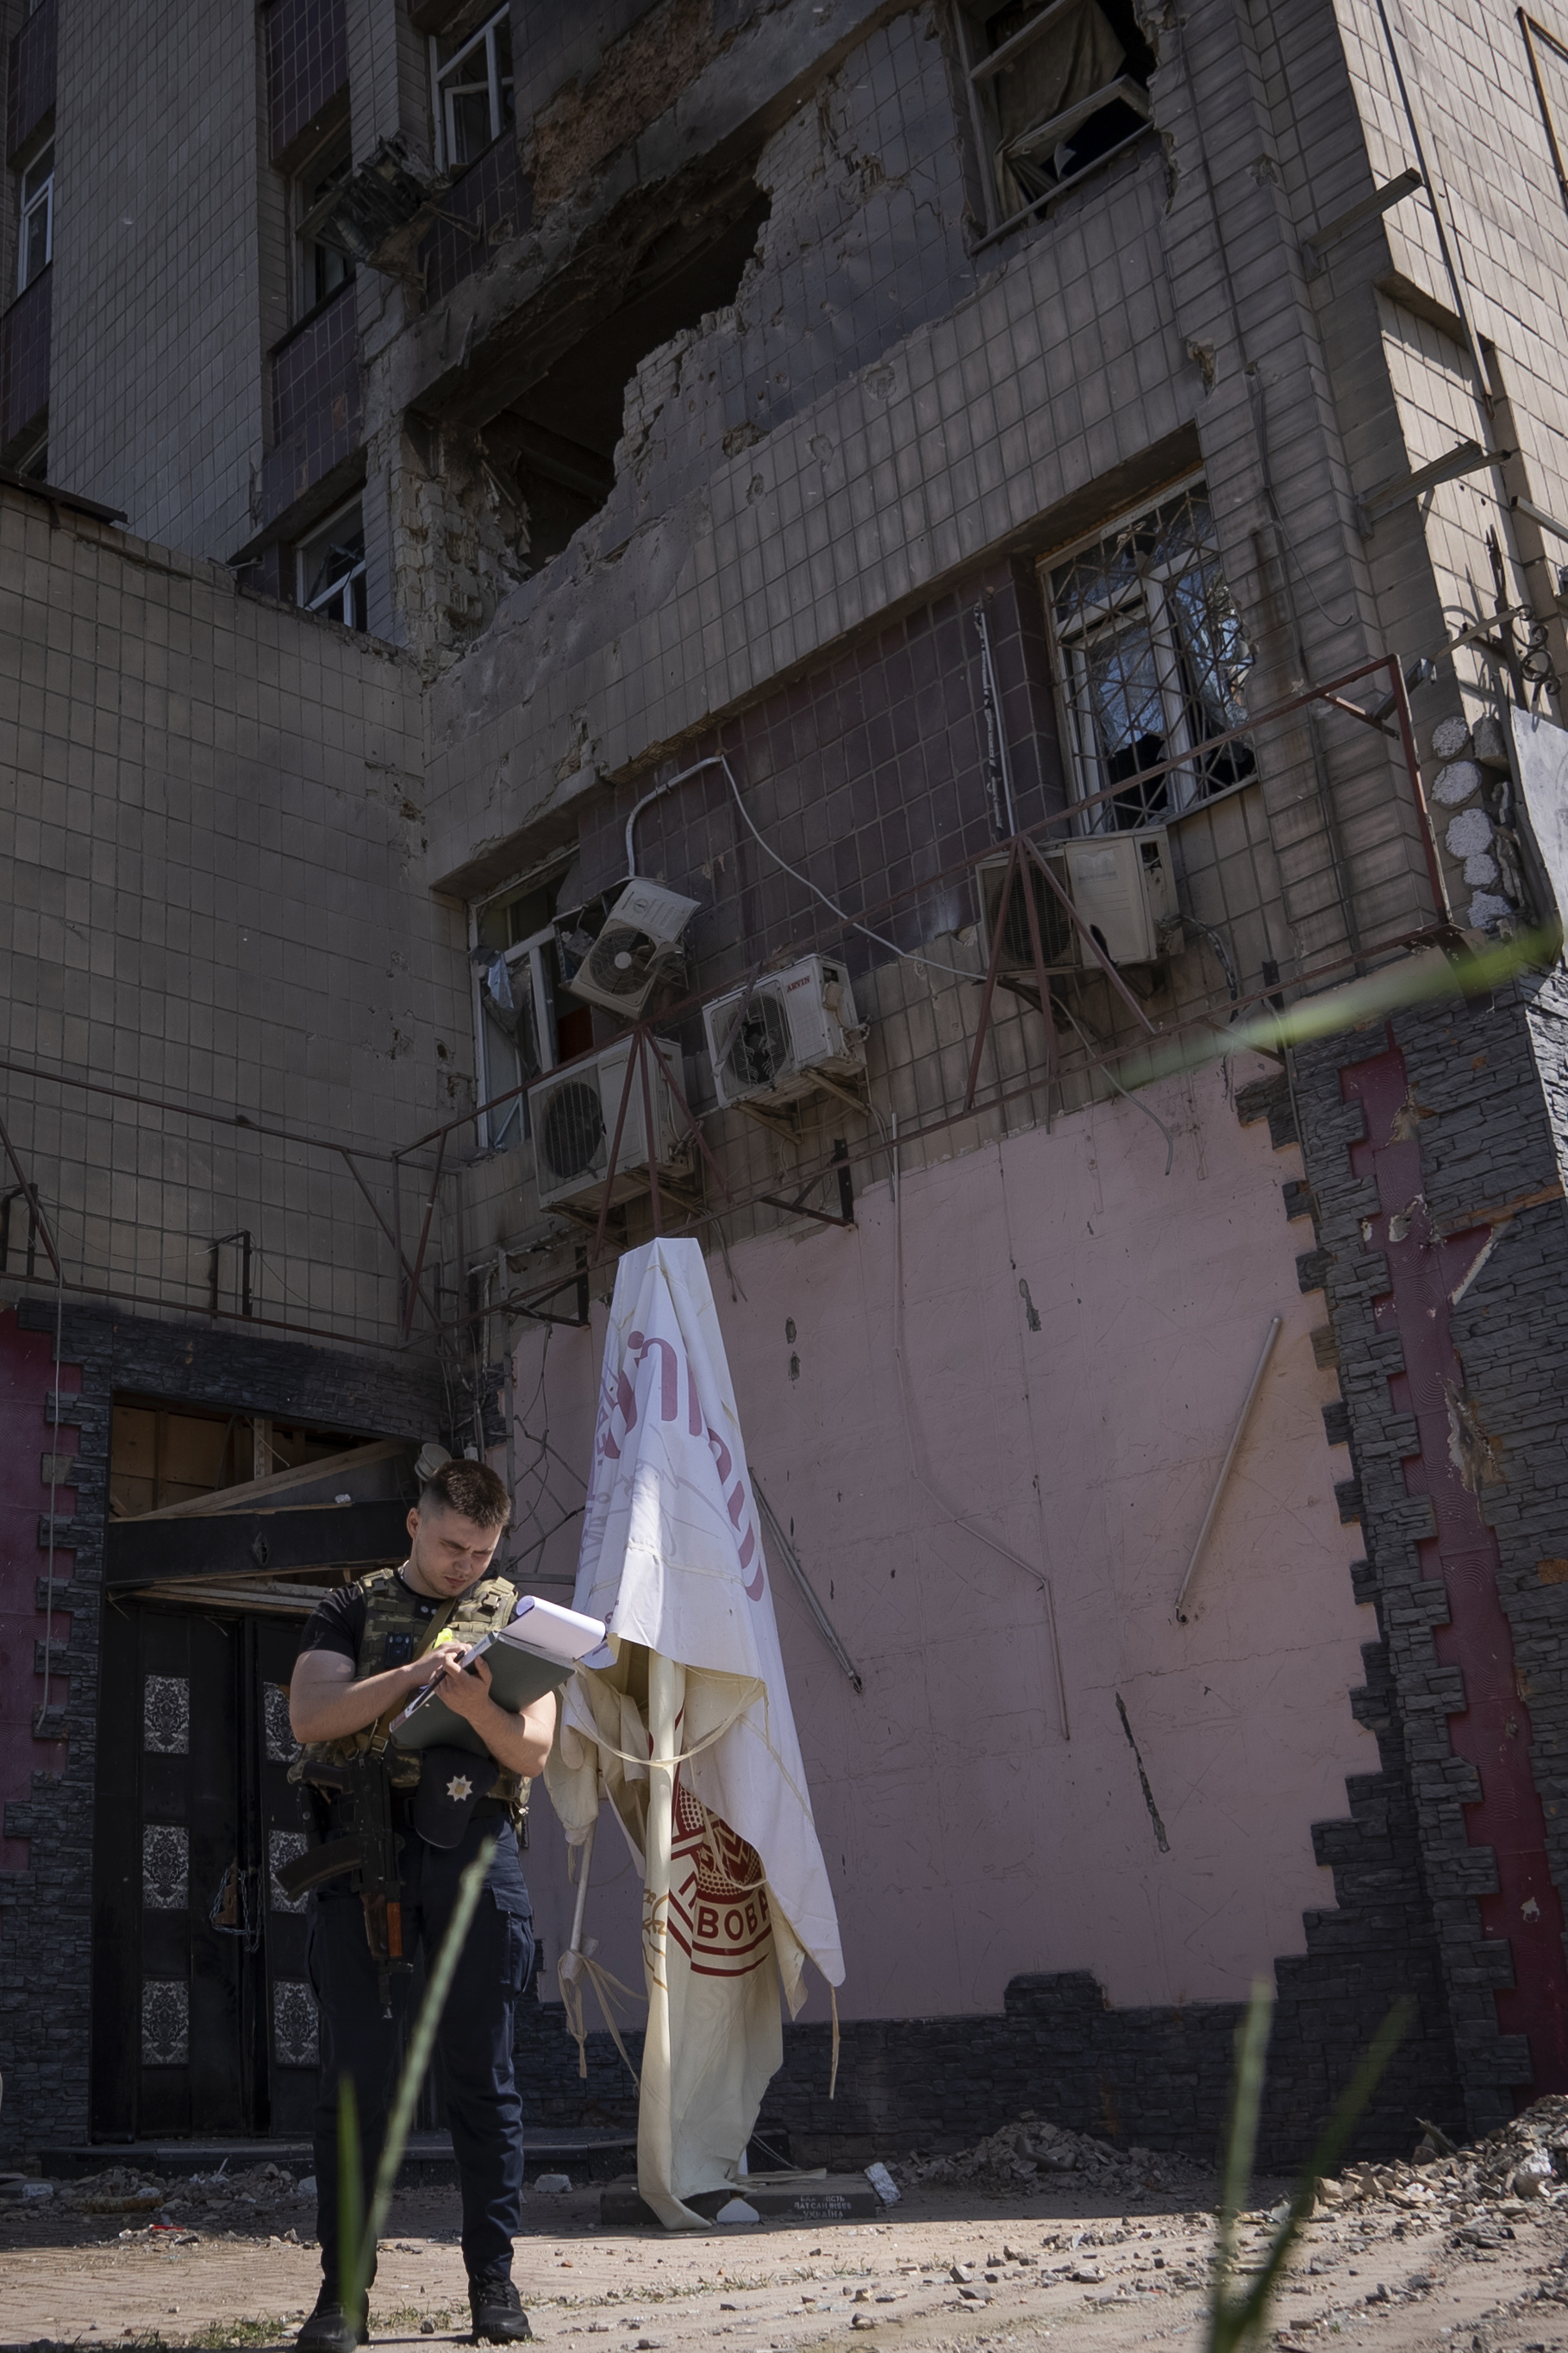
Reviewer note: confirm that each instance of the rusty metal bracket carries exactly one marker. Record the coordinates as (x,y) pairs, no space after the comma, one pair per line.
(29,1193)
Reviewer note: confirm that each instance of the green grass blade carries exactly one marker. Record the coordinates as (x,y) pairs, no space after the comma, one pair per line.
(352,2271)
(1233,2319)
(1240,2143)
(421,2043)
(1325,2157)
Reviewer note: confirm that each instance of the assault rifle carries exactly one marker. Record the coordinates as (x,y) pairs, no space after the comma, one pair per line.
(369,1851)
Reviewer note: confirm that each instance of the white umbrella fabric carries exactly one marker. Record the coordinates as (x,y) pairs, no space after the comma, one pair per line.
(690,1733)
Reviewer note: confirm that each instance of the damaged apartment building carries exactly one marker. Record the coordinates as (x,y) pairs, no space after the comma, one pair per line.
(769,619)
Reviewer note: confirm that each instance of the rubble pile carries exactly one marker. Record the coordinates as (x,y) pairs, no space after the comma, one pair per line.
(205,2200)
(1526,2157)
(1025,2157)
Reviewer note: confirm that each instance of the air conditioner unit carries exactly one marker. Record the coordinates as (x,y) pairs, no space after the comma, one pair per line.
(572,1117)
(1122,886)
(638,947)
(796,1027)
(1058,941)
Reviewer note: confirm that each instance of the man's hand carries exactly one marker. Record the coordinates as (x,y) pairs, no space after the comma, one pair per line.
(521,1743)
(466,1690)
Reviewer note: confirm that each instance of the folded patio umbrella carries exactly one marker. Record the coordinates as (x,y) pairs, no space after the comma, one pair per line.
(690,1733)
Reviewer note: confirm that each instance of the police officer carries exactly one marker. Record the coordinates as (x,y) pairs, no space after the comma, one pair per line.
(364,1653)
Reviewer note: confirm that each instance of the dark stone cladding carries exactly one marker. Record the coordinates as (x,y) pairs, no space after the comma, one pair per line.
(1489,1090)
(46,1910)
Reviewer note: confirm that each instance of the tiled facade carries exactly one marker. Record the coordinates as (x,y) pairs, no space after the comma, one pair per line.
(30,76)
(318,409)
(248,847)
(307,66)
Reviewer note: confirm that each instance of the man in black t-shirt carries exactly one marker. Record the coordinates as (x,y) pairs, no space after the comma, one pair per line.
(359,1663)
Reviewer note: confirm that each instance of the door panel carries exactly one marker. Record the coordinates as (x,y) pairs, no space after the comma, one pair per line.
(203,2018)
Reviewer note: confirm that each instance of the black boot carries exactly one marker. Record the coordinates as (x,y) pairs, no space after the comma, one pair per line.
(497,2307)
(327,2329)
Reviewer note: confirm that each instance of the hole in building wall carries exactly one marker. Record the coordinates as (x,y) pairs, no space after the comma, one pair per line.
(558,438)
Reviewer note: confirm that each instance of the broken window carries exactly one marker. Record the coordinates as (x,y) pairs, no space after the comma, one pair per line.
(1151,662)
(558,437)
(330,568)
(1549,66)
(320,269)
(1056,86)
(472,79)
(36,238)
(525,1025)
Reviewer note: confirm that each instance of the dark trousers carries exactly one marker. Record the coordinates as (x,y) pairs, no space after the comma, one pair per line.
(474,2042)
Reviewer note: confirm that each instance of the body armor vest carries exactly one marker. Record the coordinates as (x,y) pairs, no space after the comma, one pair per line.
(396,1630)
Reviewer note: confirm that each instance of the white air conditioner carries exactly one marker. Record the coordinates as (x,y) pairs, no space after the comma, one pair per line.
(572,1117)
(1119,884)
(794,1028)
(1122,886)
(638,947)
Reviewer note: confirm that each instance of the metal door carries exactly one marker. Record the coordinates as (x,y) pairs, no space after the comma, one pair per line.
(203,2018)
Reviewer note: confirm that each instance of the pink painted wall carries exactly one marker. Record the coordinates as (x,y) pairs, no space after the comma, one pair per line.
(27,1375)
(971,1834)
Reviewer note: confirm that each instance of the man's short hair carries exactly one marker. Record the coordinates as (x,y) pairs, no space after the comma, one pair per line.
(471,1490)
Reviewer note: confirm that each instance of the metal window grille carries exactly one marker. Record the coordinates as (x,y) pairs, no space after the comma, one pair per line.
(1152,661)
(1055,89)
(473,91)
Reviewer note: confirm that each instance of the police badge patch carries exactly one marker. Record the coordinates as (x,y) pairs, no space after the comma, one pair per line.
(449,1788)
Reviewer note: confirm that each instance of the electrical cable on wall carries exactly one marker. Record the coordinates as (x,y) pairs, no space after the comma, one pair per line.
(721,760)
(1136,1101)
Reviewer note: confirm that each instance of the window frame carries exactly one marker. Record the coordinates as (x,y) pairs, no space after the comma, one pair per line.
(980,69)
(355,578)
(1535,30)
(1183,787)
(506,1127)
(304,245)
(497,86)
(42,198)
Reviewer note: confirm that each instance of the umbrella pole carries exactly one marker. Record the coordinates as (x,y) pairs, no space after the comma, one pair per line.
(585,1864)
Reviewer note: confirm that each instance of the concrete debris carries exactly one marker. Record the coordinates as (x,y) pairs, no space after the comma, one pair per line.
(208,2200)
(1523,2159)
(1023,2155)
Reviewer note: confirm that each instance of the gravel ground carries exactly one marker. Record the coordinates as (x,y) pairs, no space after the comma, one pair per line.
(1420,2260)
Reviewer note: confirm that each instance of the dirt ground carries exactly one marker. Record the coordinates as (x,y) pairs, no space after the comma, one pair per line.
(1410,2272)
